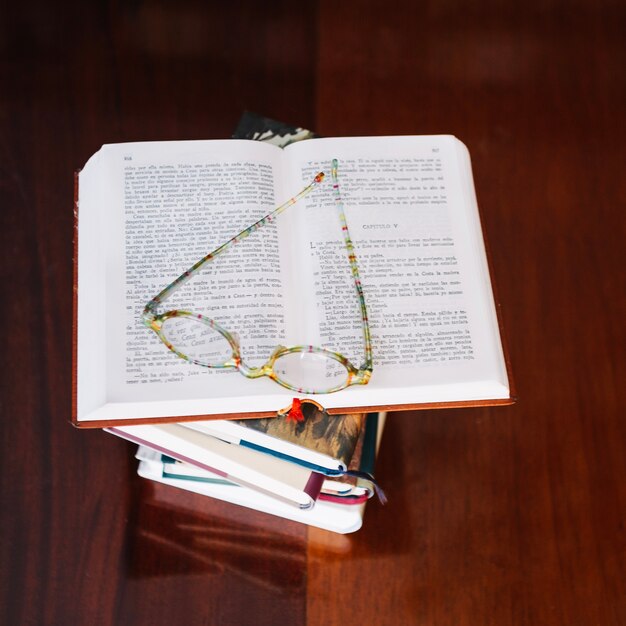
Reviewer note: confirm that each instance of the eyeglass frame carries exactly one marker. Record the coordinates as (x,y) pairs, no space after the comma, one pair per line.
(356,376)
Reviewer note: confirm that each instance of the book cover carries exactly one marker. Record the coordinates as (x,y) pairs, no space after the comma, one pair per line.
(259,128)
(334,435)
(356,483)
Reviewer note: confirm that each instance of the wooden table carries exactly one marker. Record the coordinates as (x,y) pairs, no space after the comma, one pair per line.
(496,516)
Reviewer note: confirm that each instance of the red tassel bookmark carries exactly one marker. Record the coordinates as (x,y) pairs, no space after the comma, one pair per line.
(295,412)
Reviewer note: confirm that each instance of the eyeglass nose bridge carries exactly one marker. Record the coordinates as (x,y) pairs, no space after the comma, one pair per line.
(264,370)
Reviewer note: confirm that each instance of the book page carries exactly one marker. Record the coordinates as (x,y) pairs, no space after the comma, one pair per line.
(411,213)
(166,206)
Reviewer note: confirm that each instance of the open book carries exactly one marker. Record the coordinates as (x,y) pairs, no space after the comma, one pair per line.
(148,211)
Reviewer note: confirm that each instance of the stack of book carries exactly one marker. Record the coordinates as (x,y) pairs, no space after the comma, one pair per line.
(144,211)
(316,471)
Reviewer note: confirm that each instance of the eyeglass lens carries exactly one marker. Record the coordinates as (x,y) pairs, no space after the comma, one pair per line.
(197,340)
(314,371)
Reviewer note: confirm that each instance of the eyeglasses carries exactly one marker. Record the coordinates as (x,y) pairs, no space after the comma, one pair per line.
(304,369)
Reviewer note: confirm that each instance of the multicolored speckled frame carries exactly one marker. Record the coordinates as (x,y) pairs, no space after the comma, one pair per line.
(354,376)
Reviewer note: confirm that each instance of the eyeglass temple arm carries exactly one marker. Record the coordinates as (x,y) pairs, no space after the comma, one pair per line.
(185,276)
(353,266)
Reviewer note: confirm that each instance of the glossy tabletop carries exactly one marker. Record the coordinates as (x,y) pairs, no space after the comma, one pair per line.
(496,516)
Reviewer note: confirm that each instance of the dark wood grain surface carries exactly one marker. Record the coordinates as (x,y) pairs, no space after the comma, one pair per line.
(503,516)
